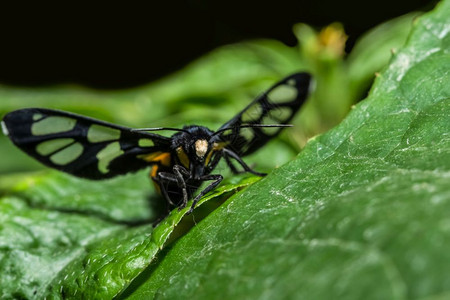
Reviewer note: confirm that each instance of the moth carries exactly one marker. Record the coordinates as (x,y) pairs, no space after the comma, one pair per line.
(93,149)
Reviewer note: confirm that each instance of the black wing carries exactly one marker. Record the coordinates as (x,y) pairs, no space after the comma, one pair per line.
(79,145)
(278,105)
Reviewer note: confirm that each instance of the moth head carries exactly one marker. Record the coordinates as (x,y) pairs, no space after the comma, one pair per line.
(193,147)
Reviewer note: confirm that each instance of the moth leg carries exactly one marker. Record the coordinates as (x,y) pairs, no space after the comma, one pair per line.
(182,170)
(217,179)
(215,161)
(231,166)
(165,177)
(179,172)
(241,162)
(163,190)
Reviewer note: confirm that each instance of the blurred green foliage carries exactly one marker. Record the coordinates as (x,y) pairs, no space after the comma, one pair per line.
(212,89)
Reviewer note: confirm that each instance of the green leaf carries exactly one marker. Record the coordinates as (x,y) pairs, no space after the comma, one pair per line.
(362,212)
(63,237)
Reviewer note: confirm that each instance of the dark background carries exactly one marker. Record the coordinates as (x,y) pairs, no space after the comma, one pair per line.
(124,45)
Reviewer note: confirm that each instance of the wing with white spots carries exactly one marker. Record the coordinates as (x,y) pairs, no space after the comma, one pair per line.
(79,145)
(278,105)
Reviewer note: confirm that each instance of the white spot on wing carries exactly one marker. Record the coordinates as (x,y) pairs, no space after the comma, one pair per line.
(4,129)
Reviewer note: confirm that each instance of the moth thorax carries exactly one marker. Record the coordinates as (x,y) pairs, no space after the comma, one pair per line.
(201,147)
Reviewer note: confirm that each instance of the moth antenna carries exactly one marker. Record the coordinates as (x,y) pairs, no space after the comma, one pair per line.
(253,126)
(160,129)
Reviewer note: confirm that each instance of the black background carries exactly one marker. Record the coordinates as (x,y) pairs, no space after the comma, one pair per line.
(124,45)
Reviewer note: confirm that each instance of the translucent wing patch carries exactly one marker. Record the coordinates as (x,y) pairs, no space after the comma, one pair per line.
(79,145)
(278,105)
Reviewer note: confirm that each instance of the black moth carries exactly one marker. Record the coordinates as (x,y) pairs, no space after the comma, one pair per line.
(94,149)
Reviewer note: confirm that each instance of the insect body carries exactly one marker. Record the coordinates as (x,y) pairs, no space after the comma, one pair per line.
(94,149)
